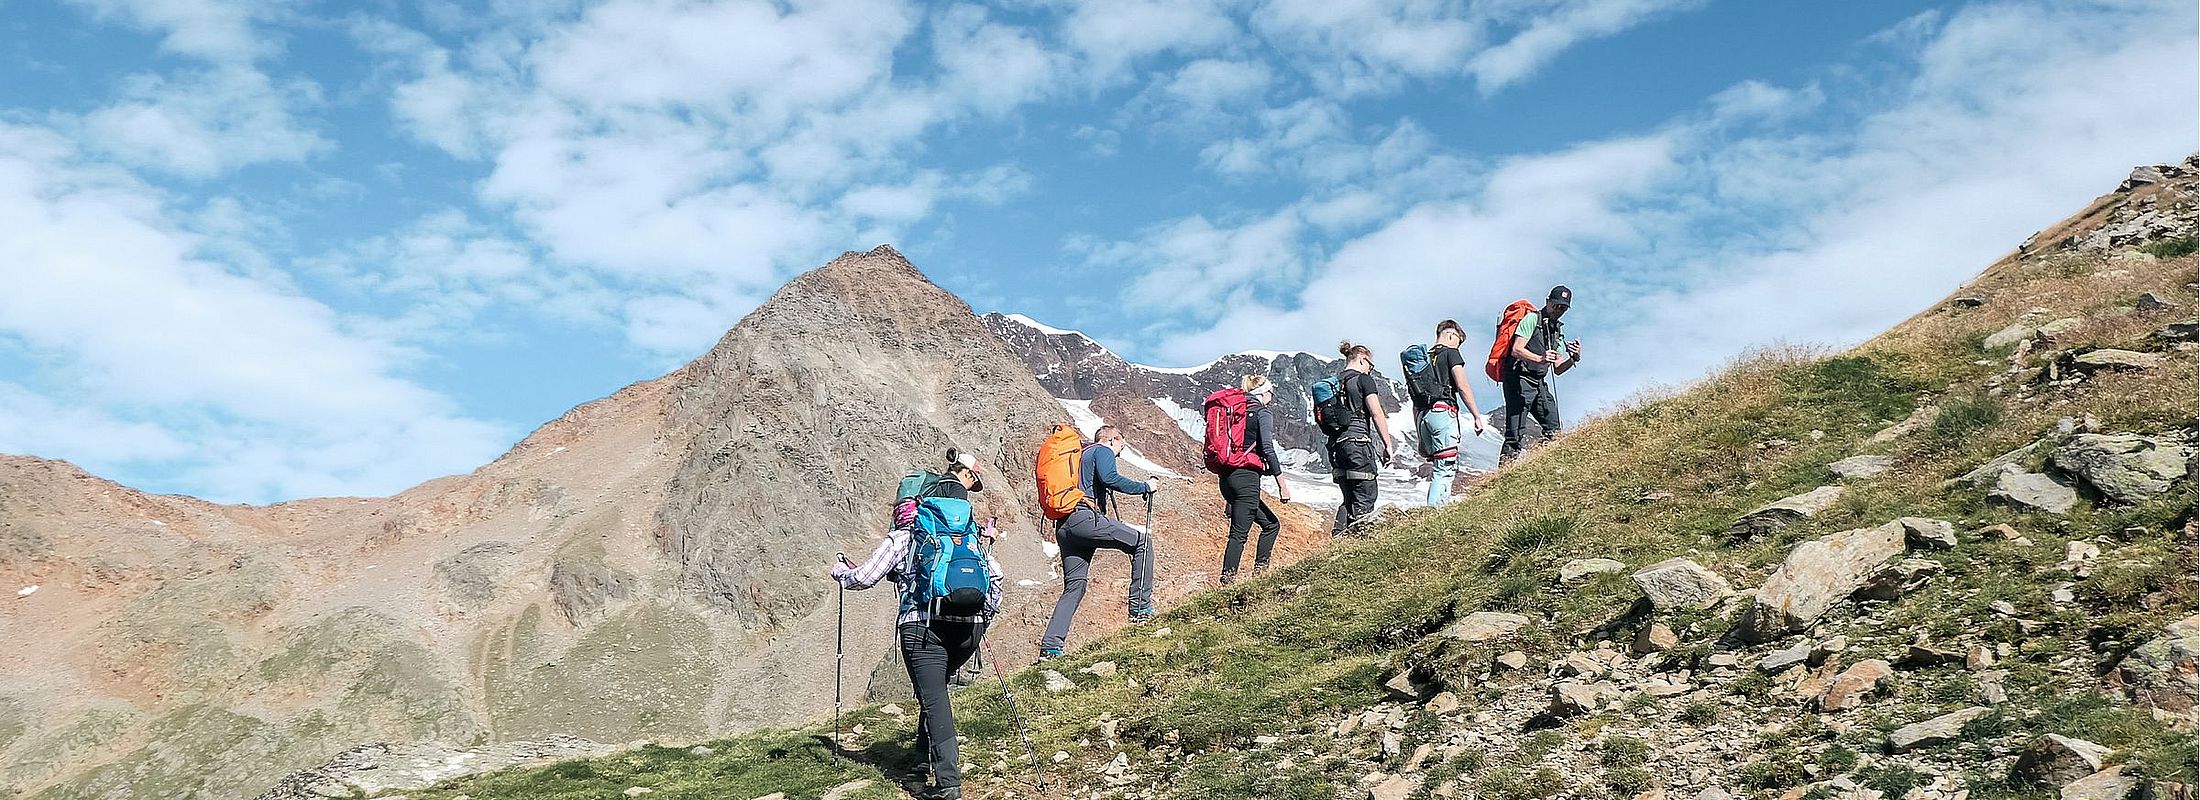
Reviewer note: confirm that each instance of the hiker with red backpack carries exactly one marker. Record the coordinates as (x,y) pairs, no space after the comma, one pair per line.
(1436,380)
(1082,526)
(949,586)
(1524,357)
(1241,447)
(1349,408)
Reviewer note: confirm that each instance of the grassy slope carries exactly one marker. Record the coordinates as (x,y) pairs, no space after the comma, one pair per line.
(1274,656)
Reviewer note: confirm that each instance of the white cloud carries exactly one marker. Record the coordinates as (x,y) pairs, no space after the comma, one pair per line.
(205,122)
(1112,35)
(1214,82)
(990,66)
(215,30)
(267,389)
(1557,29)
(1827,232)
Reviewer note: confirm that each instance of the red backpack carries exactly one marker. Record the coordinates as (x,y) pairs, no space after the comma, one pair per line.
(1503,347)
(1227,449)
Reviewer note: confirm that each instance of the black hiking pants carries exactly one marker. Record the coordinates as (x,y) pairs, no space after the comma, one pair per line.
(933,651)
(1241,494)
(1527,399)
(1354,461)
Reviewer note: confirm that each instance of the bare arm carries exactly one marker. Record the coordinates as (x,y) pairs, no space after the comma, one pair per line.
(1459,382)
(1382,420)
(1573,354)
(1520,351)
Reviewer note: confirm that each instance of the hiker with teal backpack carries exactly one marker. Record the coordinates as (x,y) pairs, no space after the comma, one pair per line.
(950,586)
(1436,380)
(1530,349)
(1241,448)
(1349,408)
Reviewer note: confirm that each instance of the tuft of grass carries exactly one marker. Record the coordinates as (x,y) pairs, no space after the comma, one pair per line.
(2177,247)
(1701,712)
(1515,783)
(1624,751)
(1959,418)
(1540,744)
(1627,781)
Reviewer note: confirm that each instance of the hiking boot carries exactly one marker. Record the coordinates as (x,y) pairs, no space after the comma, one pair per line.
(1226,579)
(1260,568)
(1049,653)
(945,793)
(1140,616)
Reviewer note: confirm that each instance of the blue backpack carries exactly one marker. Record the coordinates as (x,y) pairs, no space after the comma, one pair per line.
(951,578)
(1332,410)
(1423,383)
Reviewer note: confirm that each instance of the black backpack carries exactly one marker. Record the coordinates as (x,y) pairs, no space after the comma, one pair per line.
(1425,383)
(1333,411)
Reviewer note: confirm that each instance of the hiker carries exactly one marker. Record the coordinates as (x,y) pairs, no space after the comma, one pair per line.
(1241,457)
(937,632)
(1537,341)
(1437,380)
(1087,528)
(1359,447)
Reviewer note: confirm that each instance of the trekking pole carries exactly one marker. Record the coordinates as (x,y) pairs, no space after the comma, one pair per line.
(1038,773)
(840,655)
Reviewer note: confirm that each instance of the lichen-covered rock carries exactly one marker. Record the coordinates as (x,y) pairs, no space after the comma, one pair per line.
(1680,583)
(1943,728)
(2107,784)
(2057,760)
(2124,467)
(1580,569)
(1848,689)
(1484,626)
(1861,467)
(1892,581)
(1928,533)
(2164,673)
(1815,575)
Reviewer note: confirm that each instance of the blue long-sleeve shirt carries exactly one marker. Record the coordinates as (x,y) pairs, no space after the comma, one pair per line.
(1097,477)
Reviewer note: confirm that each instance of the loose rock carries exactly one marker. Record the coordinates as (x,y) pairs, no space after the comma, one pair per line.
(1861,467)
(1892,581)
(1848,689)
(1483,626)
(1943,728)
(1681,584)
(1654,638)
(2125,467)
(2164,673)
(1580,569)
(1814,576)
(1779,513)
(1928,533)
(1569,698)
(2032,491)
(2107,784)
(2057,760)
(1058,682)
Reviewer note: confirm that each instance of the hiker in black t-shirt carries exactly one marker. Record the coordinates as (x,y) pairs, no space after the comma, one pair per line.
(1439,412)
(1535,357)
(1358,454)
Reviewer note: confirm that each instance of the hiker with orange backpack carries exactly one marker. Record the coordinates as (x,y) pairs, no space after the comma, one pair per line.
(1436,381)
(1077,483)
(1523,359)
(1241,447)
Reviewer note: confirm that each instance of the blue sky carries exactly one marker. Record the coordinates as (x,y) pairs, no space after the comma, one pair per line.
(264,250)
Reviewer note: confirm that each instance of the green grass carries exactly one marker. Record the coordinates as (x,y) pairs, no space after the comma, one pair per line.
(2178,247)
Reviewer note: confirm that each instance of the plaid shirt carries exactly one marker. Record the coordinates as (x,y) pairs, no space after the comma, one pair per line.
(886,561)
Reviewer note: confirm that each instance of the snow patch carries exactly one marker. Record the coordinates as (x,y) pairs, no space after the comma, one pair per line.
(1190,421)
(1269,355)
(1043,327)
(1089,421)
(27,591)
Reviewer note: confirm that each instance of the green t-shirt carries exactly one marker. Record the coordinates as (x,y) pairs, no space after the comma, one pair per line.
(1535,339)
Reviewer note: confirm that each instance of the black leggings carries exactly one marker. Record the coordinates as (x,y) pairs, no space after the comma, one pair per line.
(1241,492)
(933,652)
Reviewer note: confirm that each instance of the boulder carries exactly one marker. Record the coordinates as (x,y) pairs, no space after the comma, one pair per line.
(2032,491)
(1484,626)
(1654,638)
(1922,654)
(1101,669)
(2164,673)
(1058,682)
(2125,467)
(2175,332)
(1922,532)
(1860,467)
(1848,689)
(2107,784)
(1968,301)
(2057,760)
(1681,584)
(2150,302)
(1815,575)
(2059,328)
(1443,703)
(1985,475)
(1779,513)
(1892,581)
(2016,332)
(1407,685)
(1514,660)
(1569,698)
(1943,728)
(1580,569)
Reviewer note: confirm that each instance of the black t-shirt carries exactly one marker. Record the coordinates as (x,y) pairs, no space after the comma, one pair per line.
(1442,359)
(1357,386)
(947,486)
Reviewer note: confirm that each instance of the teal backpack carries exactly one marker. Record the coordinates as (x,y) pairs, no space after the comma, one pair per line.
(948,570)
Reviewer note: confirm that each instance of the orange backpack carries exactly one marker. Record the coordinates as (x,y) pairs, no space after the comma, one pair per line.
(1059,459)
(1503,347)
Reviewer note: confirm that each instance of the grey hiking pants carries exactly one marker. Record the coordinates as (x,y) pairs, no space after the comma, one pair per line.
(933,651)
(1526,399)
(1241,496)
(1080,535)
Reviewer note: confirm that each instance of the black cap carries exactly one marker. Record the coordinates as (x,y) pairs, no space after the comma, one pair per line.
(1560,295)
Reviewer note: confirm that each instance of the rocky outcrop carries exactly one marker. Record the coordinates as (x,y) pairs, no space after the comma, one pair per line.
(2124,467)
(1815,576)
(1681,584)
(2057,760)
(395,767)
(2164,673)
